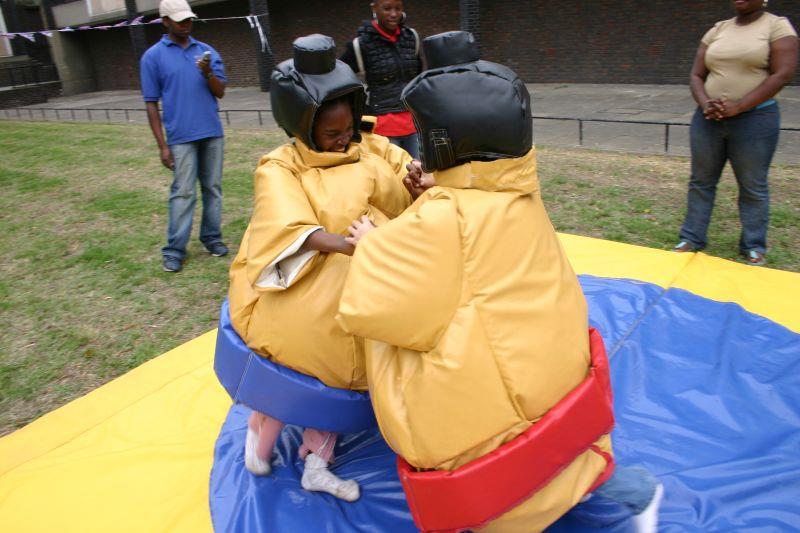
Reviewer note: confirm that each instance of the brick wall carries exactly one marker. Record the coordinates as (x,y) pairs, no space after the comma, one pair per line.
(111,56)
(32,94)
(231,38)
(604,41)
(470,17)
(116,68)
(292,19)
(115,65)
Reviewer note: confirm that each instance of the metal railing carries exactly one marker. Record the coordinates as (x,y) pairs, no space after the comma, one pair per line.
(666,124)
(105,114)
(94,114)
(72,113)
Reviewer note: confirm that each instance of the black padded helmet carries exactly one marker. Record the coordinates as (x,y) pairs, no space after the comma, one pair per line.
(466,109)
(300,86)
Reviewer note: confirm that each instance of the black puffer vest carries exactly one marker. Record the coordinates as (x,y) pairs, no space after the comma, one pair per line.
(389,67)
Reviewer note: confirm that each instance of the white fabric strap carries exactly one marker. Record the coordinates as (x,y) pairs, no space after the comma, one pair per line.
(281,273)
(416,40)
(359,59)
(256,25)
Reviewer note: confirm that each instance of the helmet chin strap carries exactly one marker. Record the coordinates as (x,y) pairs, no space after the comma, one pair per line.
(443,148)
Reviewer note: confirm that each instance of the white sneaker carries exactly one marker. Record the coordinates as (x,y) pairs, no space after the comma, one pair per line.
(252,462)
(647,520)
(317,477)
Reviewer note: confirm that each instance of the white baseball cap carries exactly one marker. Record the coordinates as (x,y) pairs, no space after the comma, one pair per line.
(177,10)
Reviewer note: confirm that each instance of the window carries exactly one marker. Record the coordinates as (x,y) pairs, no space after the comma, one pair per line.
(101,7)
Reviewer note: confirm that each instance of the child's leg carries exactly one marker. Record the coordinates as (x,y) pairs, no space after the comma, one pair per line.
(262,433)
(318,442)
(268,434)
(629,493)
(317,448)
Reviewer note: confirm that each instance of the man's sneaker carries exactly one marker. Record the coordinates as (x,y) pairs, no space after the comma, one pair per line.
(217,249)
(172,264)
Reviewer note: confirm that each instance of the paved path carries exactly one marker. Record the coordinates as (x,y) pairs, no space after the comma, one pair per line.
(661,103)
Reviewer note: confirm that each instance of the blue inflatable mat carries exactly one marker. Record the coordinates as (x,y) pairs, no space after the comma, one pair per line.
(283,393)
(706,398)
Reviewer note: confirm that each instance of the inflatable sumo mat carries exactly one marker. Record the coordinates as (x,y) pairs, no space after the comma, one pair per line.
(705,363)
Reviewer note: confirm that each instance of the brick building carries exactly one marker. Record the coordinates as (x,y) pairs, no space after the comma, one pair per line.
(571,41)
(605,41)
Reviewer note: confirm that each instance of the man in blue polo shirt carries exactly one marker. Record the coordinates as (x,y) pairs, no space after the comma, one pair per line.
(187,76)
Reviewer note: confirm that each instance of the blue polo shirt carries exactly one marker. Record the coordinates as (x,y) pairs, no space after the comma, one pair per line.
(169,73)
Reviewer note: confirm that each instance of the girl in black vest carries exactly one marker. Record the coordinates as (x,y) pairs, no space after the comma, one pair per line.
(386,52)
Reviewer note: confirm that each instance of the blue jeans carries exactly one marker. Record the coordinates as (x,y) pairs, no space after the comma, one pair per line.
(409,143)
(201,161)
(748,141)
(627,492)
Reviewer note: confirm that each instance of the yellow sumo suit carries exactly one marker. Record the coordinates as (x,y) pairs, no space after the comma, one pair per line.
(297,191)
(475,320)
(283,300)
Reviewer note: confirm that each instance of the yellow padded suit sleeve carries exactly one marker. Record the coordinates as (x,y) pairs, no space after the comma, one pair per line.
(404,282)
(389,194)
(397,159)
(392,154)
(282,214)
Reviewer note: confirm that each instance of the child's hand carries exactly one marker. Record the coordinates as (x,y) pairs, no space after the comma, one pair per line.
(414,169)
(358,229)
(416,181)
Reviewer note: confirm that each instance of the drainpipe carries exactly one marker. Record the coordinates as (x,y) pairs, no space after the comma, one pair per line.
(138,41)
(470,15)
(265,61)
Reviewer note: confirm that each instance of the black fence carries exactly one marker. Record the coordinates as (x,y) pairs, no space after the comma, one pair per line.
(116,115)
(665,124)
(109,115)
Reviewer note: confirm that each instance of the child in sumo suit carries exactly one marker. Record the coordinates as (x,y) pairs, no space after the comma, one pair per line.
(286,280)
(475,322)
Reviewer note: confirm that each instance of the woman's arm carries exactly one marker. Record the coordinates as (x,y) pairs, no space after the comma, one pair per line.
(782,65)
(697,84)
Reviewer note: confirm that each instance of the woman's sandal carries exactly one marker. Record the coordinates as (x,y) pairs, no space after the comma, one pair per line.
(683,247)
(755,258)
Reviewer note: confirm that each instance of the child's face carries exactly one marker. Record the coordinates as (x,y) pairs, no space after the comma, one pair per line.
(333,128)
(389,13)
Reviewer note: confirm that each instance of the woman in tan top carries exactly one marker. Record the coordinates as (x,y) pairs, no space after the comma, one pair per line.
(741,65)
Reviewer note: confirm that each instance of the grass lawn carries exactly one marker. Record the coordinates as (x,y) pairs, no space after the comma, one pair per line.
(83,298)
